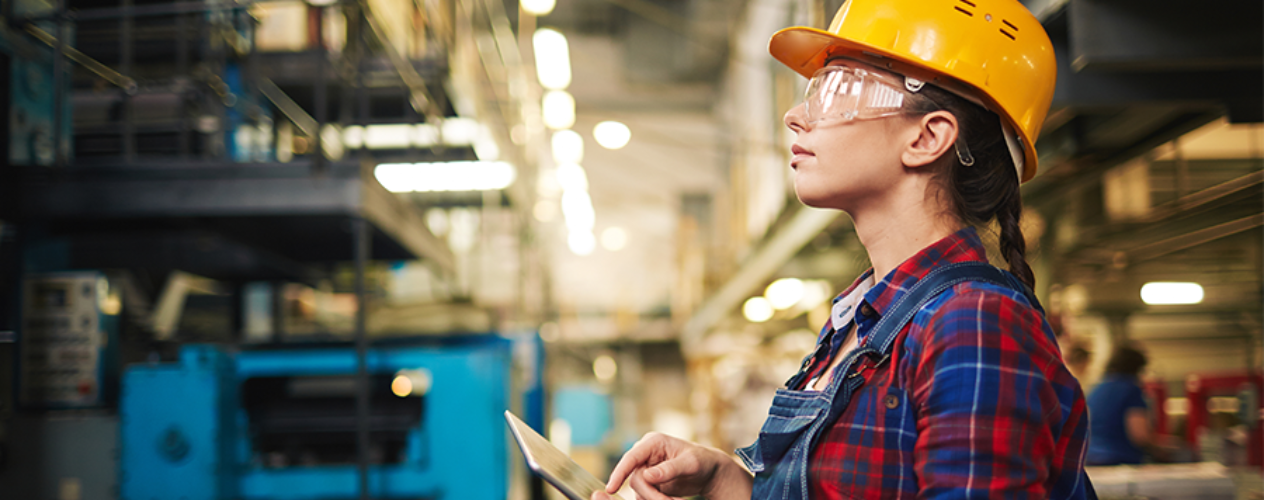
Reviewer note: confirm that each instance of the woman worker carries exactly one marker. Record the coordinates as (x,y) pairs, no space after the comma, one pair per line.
(937,375)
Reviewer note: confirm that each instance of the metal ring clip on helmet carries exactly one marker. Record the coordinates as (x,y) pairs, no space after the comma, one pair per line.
(994,53)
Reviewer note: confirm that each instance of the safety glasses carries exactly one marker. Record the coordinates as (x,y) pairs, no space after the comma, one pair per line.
(843,93)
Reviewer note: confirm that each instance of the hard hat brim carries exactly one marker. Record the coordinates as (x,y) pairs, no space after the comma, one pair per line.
(805,50)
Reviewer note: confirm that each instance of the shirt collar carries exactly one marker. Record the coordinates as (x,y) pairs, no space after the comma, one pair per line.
(961,246)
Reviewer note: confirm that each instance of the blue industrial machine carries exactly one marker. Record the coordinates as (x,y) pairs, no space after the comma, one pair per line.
(281,424)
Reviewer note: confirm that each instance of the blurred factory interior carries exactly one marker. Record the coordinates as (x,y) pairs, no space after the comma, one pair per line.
(288,249)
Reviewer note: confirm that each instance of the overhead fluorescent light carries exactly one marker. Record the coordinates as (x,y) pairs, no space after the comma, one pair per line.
(552,58)
(578,210)
(559,109)
(785,292)
(757,310)
(1171,292)
(581,242)
(456,132)
(612,135)
(568,147)
(538,7)
(445,176)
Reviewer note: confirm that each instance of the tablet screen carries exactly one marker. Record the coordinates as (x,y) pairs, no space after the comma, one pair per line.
(553,465)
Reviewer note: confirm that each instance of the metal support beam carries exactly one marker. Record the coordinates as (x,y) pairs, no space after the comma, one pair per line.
(125,64)
(1165,36)
(1193,239)
(419,95)
(361,232)
(789,238)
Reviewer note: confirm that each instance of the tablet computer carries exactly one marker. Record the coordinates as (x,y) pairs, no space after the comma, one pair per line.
(550,463)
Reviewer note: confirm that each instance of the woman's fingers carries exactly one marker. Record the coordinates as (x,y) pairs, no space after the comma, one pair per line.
(686,464)
(644,490)
(635,458)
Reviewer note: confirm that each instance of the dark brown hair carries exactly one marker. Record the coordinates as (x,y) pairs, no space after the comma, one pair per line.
(1126,361)
(988,189)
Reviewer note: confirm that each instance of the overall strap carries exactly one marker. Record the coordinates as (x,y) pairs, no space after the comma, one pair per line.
(879,341)
(929,287)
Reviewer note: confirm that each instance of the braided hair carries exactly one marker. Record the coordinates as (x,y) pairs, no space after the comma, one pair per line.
(988,188)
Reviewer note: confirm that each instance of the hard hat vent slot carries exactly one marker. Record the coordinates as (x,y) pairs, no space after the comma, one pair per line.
(1011,26)
(968,2)
(1006,33)
(963,11)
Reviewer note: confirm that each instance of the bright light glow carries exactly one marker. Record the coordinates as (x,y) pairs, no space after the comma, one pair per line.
(568,147)
(559,109)
(1176,406)
(612,135)
(785,292)
(393,136)
(411,383)
(572,177)
(461,131)
(560,435)
(545,210)
(578,210)
(581,242)
(445,176)
(614,238)
(552,59)
(330,143)
(815,292)
(538,7)
(401,387)
(486,149)
(757,309)
(456,132)
(605,368)
(1168,292)
(353,136)
(426,135)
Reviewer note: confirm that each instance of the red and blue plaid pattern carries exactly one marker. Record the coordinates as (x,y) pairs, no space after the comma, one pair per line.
(974,401)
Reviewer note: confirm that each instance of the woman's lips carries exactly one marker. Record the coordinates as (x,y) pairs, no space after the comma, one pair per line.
(800,153)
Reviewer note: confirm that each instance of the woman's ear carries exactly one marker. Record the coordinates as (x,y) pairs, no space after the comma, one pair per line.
(936,134)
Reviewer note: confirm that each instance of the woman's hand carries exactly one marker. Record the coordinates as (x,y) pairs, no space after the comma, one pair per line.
(661,467)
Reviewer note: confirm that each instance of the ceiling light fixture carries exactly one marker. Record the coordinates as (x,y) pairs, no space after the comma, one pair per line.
(538,7)
(1171,293)
(559,109)
(581,242)
(612,135)
(552,58)
(445,176)
(784,293)
(757,310)
(568,147)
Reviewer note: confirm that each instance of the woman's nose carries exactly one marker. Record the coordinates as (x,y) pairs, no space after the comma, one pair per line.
(795,119)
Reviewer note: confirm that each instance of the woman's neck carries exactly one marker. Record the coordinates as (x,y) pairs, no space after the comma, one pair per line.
(894,232)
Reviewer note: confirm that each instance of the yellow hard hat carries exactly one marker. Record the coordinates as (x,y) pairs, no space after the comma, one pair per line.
(993,52)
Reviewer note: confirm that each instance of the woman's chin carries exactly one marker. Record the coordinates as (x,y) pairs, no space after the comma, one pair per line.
(815,200)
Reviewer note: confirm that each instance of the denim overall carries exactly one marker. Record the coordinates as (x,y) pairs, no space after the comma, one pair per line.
(779,458)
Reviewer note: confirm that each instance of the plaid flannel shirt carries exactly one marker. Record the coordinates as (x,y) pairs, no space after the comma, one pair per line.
(974,401)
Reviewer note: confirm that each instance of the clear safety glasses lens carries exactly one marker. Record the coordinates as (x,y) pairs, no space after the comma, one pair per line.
(843,93)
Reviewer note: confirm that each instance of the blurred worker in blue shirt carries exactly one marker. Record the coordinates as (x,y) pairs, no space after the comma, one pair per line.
(1119,422)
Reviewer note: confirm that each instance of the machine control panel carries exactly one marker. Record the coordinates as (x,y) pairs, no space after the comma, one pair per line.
(66,318)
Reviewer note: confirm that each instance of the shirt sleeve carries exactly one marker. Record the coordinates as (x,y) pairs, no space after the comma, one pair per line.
(983,401)
(1135,398)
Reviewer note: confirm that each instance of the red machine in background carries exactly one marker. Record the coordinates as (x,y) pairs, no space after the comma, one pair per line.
(1200,388)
